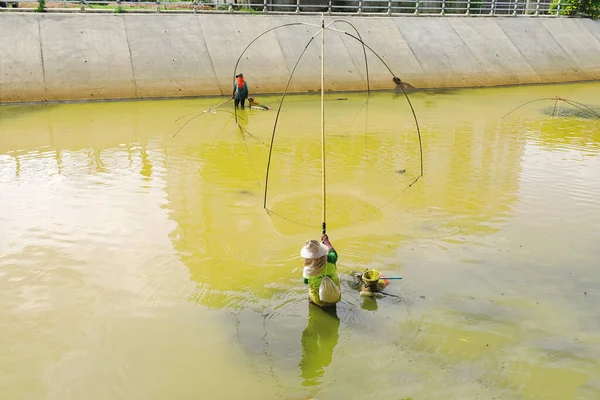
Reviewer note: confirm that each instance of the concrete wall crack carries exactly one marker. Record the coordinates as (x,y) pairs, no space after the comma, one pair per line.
(210,61)
(408,46)
(520,52)
(130,57)
(485,73)
(39,20)
(579,69)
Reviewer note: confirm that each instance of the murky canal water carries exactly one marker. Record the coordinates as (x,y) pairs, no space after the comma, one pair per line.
(135,265)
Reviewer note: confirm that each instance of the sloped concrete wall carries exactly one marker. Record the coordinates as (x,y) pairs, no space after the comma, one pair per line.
(83,56)
(21,66)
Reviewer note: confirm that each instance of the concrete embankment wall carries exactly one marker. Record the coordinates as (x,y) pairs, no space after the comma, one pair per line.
(100,56)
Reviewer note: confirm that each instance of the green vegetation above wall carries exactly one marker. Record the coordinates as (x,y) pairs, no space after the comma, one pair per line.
(590,8)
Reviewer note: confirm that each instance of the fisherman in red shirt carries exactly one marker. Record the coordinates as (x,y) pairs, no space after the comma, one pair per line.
(240,91)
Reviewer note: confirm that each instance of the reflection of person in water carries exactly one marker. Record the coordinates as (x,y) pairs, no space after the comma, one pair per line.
(242,120)
(318,341)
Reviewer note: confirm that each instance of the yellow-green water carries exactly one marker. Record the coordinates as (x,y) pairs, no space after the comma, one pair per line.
(135,265)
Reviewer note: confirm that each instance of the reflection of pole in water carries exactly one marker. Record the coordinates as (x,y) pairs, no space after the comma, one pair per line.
(17,166)
(57,152)
(96,162)
(58,159)
(318,341)
(146,170)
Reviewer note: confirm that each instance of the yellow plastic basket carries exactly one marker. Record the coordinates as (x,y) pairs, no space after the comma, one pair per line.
(370,277)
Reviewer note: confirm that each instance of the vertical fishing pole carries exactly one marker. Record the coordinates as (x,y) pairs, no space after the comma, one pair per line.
(323,120)
(365,46)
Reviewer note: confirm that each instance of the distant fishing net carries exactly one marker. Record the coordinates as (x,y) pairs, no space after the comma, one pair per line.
(560,107)
(373,150)
(556,121)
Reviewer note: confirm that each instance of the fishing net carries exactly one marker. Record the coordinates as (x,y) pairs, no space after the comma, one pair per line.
(368,163)
(372,147)
(556,122)
(559,107)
